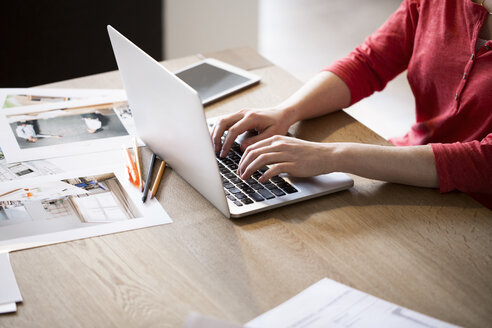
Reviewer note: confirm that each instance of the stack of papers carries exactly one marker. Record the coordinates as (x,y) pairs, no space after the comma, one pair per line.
(62,172)
(57,183)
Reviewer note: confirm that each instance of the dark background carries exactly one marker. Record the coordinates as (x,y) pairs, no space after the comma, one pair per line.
(51,40)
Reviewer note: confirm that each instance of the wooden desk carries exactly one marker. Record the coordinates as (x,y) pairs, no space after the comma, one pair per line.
(412,246)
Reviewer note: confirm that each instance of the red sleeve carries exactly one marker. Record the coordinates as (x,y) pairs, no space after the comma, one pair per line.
(465,166)
(382,56)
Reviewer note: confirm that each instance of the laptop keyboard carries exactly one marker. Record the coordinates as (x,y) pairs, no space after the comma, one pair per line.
(246,192)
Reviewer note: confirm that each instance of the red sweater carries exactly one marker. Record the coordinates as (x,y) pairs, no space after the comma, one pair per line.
(451,81)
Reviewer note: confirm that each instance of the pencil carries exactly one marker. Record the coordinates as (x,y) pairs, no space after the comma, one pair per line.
(149,175)
(137,161)
(157,180)
(9,192)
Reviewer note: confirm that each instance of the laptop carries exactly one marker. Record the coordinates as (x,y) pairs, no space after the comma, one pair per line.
(169,117)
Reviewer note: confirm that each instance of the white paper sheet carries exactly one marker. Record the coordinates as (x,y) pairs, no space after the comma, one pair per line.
(32,97)
(8,308)
(62,217)
(196,320)
(331,304)
(9,291)
(107,159)
(37,168)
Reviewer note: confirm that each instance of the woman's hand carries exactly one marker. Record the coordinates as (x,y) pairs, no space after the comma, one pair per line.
(323,94)
(411,165)
(287,155)
(266,122)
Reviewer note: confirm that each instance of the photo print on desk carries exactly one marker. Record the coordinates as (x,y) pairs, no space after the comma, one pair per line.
(69,125)
(28,169)
(65,128)
(52,209)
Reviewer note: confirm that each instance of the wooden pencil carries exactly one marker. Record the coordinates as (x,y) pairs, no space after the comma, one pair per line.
(9,192)
(158,179)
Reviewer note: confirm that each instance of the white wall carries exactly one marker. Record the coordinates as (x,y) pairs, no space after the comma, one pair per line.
(200,26)
(303,36)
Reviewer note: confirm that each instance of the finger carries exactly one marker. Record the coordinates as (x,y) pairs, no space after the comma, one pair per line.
(221,126)
(214,132)
(262,160)
(251,155)
(261,144)
(234,131)
(254,139)
(274,170)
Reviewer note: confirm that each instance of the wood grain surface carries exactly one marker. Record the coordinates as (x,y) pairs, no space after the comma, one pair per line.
(412,246)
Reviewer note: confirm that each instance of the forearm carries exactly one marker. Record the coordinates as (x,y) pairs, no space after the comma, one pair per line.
(323,94)
(413,165)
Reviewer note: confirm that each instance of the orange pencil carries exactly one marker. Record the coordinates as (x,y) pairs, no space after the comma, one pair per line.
(130,166)
(136,151)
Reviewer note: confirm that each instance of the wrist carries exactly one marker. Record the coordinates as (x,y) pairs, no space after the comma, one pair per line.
(338,157)
(290,114)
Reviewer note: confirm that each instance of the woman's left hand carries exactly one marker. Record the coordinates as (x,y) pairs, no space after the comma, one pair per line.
(289,155)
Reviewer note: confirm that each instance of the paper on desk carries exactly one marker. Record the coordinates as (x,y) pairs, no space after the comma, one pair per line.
(196,320)
(72,205)
(32,97)
(331,304)
(52,166)
(65,128)
(8,308)
(27,169)
(9,291)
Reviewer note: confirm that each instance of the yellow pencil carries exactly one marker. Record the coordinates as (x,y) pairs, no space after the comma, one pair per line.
(136,151)
(157,180)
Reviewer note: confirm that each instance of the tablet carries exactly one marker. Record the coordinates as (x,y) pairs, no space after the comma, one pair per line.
(213,79)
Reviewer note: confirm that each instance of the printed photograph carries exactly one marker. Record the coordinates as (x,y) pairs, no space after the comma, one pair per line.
(29,169)
(63,205)
(18,100)
(69,125)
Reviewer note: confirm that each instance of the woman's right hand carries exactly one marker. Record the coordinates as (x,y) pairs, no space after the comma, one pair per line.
(266,122)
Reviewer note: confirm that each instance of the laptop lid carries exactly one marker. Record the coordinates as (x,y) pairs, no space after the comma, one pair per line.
(169,118)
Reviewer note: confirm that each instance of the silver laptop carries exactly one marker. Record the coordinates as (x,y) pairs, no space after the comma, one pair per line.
(170,119)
